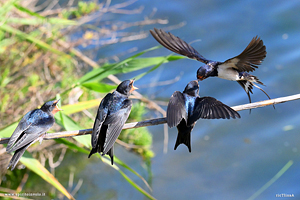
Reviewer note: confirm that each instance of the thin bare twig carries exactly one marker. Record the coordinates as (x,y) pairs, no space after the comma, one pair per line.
(166,139)
(23,181)
(158,121)
(60,159)
(128,146)
(78,186)
(161,83)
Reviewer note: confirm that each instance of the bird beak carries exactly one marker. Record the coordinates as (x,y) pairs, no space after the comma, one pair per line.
(133,87)
(200,78)
(56,109)
(56,101)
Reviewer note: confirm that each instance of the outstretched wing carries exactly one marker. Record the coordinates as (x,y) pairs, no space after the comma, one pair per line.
(100,118)
(211,108)
(177,45)
(115,122)
(248,60)
(176,109)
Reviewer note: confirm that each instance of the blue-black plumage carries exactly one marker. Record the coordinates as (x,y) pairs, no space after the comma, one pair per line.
(112,114)
(234,69)
(184,109)
(31,128)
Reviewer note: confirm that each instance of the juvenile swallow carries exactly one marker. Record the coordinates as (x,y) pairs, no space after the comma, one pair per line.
(233,69)
(184,109)
(112,114)
(30,129)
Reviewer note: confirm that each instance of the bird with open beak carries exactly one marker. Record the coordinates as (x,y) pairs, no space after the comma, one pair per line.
(32,127)
(233,69)
(112,114)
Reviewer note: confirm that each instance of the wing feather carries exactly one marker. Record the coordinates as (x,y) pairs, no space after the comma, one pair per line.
(30,129)
(252,56)
(177,45)
(176,109)
(115,122)
(22,126)
(211,108)
(100,118)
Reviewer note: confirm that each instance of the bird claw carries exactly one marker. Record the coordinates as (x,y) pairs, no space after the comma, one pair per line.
(41,138)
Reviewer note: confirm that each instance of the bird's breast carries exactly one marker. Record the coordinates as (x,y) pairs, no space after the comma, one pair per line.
(227,72)
(189,104)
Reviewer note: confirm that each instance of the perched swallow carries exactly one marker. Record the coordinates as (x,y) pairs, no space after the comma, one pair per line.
(112,114)
(184,109)
(234,69)
(30,129)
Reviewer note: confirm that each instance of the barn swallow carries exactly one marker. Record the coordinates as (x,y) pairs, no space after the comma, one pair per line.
(112,114)
(31,128)
(184,109)
(234,69)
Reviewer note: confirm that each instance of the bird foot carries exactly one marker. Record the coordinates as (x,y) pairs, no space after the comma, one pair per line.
(41,138)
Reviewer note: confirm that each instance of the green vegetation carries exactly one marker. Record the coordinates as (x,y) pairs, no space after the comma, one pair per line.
(37,64)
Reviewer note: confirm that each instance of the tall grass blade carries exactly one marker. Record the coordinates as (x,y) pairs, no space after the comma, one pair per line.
(35,166)
(70,125)
(80,106)
(8,131)
(128,65)
(99,87)
(25,36)
(270,182)
(107,161)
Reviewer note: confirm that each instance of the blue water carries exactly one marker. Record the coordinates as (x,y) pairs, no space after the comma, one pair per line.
(230,159)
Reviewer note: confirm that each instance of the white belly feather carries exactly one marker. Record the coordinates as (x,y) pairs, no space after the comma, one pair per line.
(225,71)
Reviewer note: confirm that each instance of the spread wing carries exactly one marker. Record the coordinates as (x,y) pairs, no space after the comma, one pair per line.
(115,122)
(176,109)
(100,118)
(29,129)
(252,56)
(177,45)
(211,108)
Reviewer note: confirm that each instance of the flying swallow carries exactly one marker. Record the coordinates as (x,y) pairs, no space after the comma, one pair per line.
(32,126)
(234,69)
(112,114)
(184,109)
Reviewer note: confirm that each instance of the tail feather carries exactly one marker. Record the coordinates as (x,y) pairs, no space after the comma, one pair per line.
(184,135)
(247,86)
(98,142)
(248,81)
(183,138)
(263,92)
(17,156)
(111,154)
(94,150)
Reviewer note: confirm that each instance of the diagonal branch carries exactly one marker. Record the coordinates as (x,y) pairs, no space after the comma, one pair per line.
(157,121)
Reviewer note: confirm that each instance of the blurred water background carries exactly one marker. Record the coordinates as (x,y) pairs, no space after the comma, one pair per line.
(230,159)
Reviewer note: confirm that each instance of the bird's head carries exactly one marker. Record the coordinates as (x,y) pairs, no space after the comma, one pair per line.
(202,72)
(51,106)
(207,70)
(192,88)
(126,87)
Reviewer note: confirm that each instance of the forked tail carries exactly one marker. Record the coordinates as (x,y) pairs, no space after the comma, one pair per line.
(247,81)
